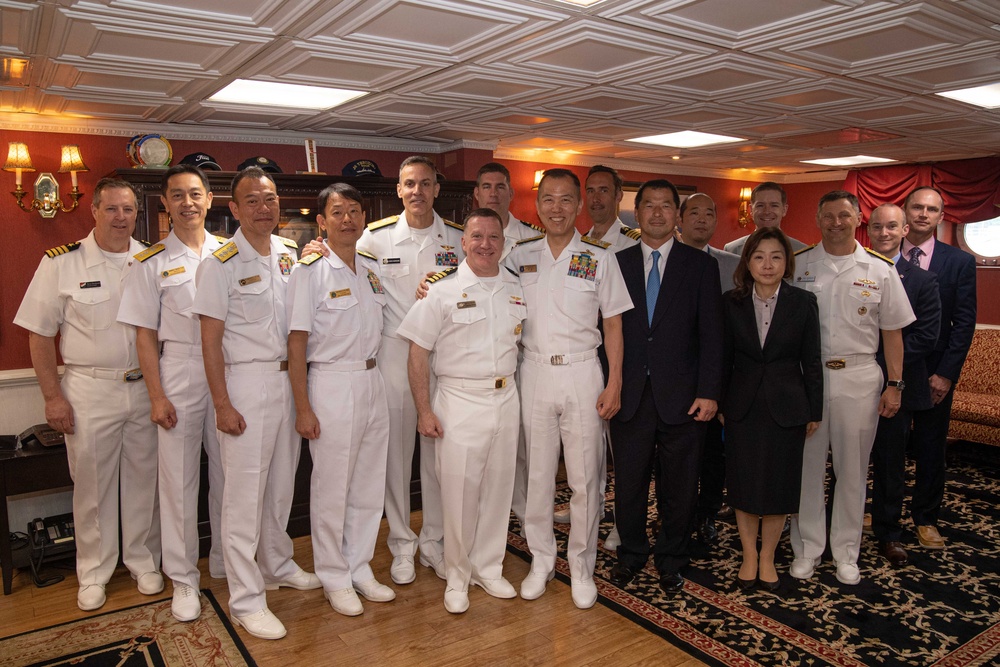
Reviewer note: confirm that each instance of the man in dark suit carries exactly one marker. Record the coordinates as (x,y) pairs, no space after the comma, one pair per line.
(886,228)
(956,274)
(671,382)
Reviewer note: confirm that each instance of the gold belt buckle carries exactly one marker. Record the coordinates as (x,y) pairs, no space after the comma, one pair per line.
(369,364)
(836,364)
(132,375)
(556,360)
(500,383)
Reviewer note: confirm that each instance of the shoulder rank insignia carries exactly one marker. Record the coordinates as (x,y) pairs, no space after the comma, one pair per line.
(145,243)
(631,232)
(310,258)
(226,252)
(802,250)
(442,274)
(383,223)
(149,252)
(365,253)
(533,238)
(62,250)
(880,256)
(288,242)
(537,228)
(455,225)
(595,242)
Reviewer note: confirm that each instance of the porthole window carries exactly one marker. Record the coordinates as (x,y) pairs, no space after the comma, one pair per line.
(982,239)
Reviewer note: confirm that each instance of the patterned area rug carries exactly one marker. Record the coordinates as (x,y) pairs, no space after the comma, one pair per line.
(142,636)
(942,609)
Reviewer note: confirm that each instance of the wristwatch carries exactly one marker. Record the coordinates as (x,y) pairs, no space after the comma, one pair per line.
(898,384)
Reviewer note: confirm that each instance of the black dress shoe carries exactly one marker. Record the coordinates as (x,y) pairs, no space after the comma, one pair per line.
(707,532)
(745,584)
(726,513)
(893,552)
(622,575)
(769,585)
(671,582)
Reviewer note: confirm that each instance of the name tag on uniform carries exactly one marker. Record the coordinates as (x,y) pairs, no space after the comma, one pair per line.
(173,272)
(527,268)
(90,284)
(466,304)
(806,279)
(336,294)
(249,281)
(391,260)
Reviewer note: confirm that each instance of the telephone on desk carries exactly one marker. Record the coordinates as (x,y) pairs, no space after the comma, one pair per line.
(43,434)
(52,531)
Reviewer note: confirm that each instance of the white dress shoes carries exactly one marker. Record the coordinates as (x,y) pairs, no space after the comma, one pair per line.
(186,603)
(149,583)
(803,568)
(436,565)
(374,591)
(561,516)
(456,602)
(346,602)
(402,571)
(91,597)
(263,625)
(533,585)
(613,541)
(301,580)
(584,592)
(848,573)
(498,588)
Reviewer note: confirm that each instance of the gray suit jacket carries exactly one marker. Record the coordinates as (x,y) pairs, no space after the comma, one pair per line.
(727,266)
(736,247)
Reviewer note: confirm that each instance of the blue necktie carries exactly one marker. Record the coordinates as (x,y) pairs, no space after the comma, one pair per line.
(653,286)
(915,254)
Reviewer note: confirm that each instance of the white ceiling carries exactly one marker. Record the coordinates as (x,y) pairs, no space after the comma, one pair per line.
(530,79)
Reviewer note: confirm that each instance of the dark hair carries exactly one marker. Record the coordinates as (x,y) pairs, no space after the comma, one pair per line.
(742,279)
(769,185)
(559,172)
(601,169)
(183,169)
(419,159)
(345,190)
(837,195)
(113,184)
(657,184)
(493,168)
(906,202)
(254,173)
(684,204)
(483,213)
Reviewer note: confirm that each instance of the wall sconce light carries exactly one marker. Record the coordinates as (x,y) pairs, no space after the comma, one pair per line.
(46,200)
(538,178)
(744,209)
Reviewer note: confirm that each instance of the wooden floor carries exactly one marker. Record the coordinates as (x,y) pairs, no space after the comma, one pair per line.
(414,629)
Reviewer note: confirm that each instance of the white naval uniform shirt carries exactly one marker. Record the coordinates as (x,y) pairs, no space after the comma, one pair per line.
(405,258)
(472,325)
(340,310)
(247,292)
(856,301)
(159,289)
(517,230)
(565,295)
(77,294)
(616,236)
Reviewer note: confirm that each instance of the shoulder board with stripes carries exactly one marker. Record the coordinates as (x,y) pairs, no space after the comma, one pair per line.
(880,256)
(533,238)
(453,224)
(537,228)
(442,274)
(62,249)
(595,242)
(631,232)
(383,223)
(310,258)
(226,252)
(365,253)
(288,242)
(807,248)
(149,252)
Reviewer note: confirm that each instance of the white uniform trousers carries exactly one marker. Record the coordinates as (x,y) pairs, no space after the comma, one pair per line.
(560,402)
(402,541)
(520,496)
(347,490)
(112,459)
(850,418)
(182,374)
(475,461)
(260,469)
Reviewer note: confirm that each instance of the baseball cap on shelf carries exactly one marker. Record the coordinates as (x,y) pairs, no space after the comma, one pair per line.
(202,161)
(260,161)
(361,168)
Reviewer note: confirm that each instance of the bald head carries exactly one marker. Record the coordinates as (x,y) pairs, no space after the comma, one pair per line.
(886,229)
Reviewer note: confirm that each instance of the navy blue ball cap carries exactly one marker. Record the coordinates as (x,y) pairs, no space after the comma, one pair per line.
(202,161)
(361,168)
(264,163)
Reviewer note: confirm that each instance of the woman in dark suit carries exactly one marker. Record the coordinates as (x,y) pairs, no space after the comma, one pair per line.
(773,396)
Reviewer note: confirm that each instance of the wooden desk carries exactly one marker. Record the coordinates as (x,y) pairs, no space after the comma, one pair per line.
(30,469)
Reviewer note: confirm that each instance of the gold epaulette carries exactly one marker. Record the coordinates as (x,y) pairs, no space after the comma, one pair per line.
(288,242)
(880,256)
(226,252)
(537,228)
(365,253)
(533,238)
(149,252)
(802,250)
(631,232)
(442,274)
(595,242)
(62,250)
(310,258)
(383,223)
(453,224)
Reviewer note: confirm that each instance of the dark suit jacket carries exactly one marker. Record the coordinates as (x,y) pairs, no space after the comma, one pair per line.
(682,350)
(788,369)
(919,337)
(956,274)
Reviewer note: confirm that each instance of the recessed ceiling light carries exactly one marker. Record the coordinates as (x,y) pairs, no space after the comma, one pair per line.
(981,96)
(14,71)
(848,161)
(289,95)
(686,139)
